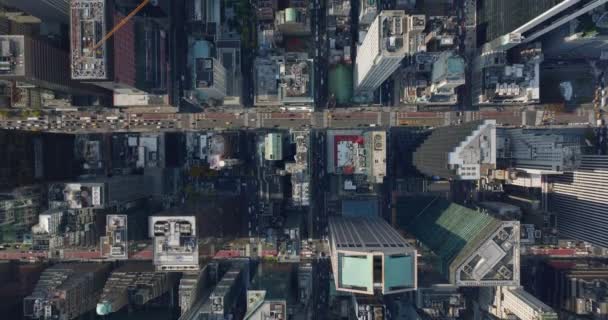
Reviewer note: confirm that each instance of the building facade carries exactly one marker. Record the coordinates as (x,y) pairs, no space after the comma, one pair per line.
(580,201)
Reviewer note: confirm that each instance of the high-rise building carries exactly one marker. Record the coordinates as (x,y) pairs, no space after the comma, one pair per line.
(574,285)
(66,291)
(209,78)
(369,256)
(391,37)
(132,61)
(580,201)
(473,248)
(45,10)
(35,63)
(446,76)
(508,302)
(463,152)
(227,299)
(507,23)
(540,151)
(133,283)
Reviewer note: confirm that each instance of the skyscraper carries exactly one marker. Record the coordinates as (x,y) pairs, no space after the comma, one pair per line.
(66,291)
(368,256)
(540,151)
(504,24)
(473,248)
(463,152)
(390,38)
(35,63)
(580,201)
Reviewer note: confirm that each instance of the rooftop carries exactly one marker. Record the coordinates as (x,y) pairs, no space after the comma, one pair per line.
(474,248)
(88,26)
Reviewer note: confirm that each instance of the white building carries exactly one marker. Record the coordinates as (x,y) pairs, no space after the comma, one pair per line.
(515,301)
(391,37)
(175,242)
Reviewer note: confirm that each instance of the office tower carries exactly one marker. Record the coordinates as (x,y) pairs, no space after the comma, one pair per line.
(190,287)
(34,63)
(203,17)
(368,256)
(391,37)
(175,242)
(539,151)
(579,199)
(575,286)
(227,298)
(45,10)
(507,302)
(446,76)
(208,77)
(132,61)
(293,21)
(134,283)
(30,157)
(473,248)
(66,291)
(463,152)
(507,23)
(273,291)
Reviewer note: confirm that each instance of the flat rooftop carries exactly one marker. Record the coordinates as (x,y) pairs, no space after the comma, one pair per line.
(87,27)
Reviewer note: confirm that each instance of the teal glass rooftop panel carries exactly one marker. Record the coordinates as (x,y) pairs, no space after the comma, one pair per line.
(398,272)
(356,272)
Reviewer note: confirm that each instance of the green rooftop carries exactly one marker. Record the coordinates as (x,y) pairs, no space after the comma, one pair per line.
(446,228)
(341,83)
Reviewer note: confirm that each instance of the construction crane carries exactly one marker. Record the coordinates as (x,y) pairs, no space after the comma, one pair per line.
(119,25)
